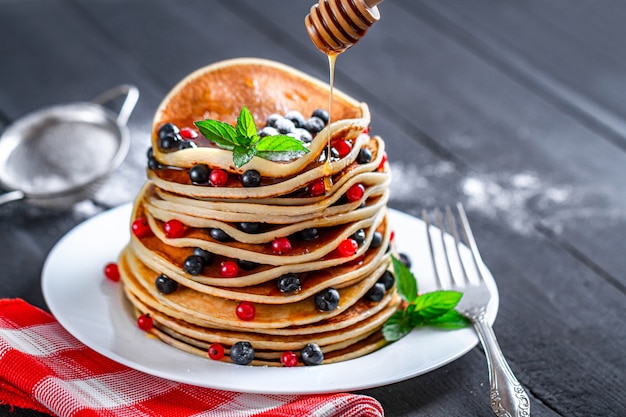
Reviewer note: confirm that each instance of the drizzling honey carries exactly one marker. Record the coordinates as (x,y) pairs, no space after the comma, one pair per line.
(328,181)
(334,26)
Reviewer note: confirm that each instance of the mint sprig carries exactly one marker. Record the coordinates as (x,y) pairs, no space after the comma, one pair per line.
(244,141)
(433,309)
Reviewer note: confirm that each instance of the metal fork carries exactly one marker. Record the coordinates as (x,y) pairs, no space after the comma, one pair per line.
(508,397)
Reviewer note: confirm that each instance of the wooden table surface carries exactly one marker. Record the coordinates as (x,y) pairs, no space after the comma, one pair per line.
(515,108)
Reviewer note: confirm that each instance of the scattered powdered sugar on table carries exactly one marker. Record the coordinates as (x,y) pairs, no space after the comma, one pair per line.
(508,198)
(521,199)
(85,209)
(524,199)
(407,180)
(415,183)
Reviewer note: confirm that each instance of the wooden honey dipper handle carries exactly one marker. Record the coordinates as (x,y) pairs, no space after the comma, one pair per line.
(336,25)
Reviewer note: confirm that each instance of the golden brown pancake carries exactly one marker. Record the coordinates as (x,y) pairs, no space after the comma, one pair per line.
(309,266)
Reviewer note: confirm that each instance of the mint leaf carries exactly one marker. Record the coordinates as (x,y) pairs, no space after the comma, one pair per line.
(220,133)
(246,129)
(436,303)
(407,285)
(450,320)
(280,148)
(434,309)
(242,155)
(245,142)
(280,143)
(397,326)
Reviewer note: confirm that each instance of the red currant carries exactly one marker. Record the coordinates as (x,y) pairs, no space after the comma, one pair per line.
(245,311)
(112,272)
(289,359)
(342,146)
(229,269)
(145,322)
(317,188)
(140,227)
(348,247)
(392,235)
(188,133)
(218,177)
(281,245)
(216,351)
(355,193)
(381,166)
(174,229)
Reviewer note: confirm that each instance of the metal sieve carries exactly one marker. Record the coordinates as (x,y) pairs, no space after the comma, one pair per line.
(58,155)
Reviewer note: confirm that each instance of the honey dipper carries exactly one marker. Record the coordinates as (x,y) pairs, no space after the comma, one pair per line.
(336,25)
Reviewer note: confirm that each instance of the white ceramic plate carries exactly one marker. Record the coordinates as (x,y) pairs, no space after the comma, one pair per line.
(93,310)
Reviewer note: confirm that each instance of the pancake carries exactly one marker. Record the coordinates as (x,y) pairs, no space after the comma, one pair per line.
(287,251)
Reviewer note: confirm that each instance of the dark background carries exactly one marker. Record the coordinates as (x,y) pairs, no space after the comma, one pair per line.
(515,108)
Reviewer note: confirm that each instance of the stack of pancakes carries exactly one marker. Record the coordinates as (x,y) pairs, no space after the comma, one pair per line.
(202,310)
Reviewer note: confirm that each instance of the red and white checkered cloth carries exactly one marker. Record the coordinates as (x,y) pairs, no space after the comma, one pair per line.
(43,367)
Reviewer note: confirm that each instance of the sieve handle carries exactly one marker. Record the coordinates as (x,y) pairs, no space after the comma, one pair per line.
(132,95)
(11,196)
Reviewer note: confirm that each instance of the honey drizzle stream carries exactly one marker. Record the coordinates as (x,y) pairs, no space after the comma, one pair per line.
(332,58)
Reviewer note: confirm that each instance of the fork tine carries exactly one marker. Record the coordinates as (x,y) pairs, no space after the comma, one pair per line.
(442,229)
(426,220)
(469,237)
(453,228)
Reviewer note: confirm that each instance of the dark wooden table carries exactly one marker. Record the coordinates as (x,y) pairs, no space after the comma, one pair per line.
(515,108)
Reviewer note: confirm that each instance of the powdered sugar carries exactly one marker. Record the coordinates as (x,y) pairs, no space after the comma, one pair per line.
(521,199)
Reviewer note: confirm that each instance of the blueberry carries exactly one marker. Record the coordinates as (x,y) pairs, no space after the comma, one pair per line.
(272,119)
(376,293)
(322,114)
(387,279)
(309,234)
(251,178)
(404,258)
(150,153)
(153,163)
(219,235)
(168,129)
(312,355)
(327,300)
(186,144)
(364,157)
(206,256)
(314,125)
(165,284)
(359,236)
(193,265)
(242,353)
(247,265)
(302,135)
(170,141)
(296,117)
(250,227)
(285,126)
(289,283)
(199,174)
(377,240)
(268,131)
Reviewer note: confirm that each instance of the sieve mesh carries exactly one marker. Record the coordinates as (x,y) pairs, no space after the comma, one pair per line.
(59,155)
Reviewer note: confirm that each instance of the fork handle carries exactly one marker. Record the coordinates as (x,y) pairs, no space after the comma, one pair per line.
(508,397)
